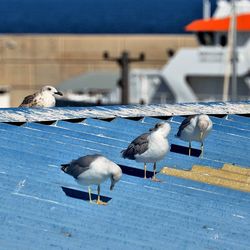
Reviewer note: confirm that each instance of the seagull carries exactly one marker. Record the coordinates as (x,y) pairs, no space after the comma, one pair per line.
(149,147)
(43,98)
(195,128)
(93,170)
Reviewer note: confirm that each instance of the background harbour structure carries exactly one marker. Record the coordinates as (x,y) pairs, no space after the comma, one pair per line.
(70,41)
(34,60)
(199,72)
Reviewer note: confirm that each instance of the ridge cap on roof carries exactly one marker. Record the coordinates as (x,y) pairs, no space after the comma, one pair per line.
(107,112)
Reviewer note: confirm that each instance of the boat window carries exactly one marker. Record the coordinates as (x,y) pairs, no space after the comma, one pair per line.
(206,38)
(170,53)
(223,40)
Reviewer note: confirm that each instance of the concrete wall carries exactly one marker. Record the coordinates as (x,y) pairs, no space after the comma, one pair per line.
(28,62)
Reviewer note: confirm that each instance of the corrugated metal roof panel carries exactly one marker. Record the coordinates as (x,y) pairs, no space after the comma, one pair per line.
(52,114)
(43,208)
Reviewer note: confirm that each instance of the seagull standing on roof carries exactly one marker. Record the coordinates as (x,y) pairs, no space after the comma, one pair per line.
(93,170)
(44,98)
(195,128)
(149,147)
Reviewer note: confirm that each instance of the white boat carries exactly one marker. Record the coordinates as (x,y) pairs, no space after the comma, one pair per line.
(198,74)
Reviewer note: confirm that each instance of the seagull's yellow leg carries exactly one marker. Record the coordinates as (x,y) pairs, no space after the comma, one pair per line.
(99,202)
(202,149)
(90,199)
(154,177)
(201,136)
(145,171)
(189,148)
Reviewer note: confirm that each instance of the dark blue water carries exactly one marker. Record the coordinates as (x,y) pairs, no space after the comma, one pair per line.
(98,16)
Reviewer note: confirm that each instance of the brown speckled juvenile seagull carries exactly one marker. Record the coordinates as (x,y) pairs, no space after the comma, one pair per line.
(44,98)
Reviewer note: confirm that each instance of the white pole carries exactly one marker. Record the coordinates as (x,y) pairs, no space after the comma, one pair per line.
(231,60)
(234,52)
(206,9)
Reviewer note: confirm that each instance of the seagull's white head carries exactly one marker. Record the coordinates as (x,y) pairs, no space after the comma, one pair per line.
(50,90)
(203,122)
(115,175)
(162,127)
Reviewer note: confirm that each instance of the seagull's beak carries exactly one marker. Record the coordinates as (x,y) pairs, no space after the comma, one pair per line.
(59,93)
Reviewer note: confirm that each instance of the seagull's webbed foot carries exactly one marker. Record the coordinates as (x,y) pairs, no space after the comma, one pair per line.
(155,179)
(154,176)
(99,202)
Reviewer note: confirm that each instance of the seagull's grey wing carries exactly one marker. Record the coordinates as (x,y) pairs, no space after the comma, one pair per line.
(184,124)
(29,101)
(79,166)
(137,146)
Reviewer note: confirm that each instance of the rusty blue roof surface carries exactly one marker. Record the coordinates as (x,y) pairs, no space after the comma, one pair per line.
(43,208)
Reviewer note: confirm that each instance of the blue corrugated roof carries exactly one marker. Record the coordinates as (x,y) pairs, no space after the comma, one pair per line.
(43,208)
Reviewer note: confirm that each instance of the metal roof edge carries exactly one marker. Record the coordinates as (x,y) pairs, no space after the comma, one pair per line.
(106,112)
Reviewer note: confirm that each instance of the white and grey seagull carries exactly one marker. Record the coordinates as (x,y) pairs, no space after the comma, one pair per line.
(44,98)
(149,147)
(93,170)
(195,128)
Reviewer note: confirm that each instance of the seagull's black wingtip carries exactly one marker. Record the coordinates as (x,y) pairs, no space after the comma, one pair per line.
(64,167)
(123,152)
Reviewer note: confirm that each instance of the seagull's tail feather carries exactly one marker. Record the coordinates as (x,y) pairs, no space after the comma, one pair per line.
(128,153)
(123,152)
(178,135)
(64,167)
